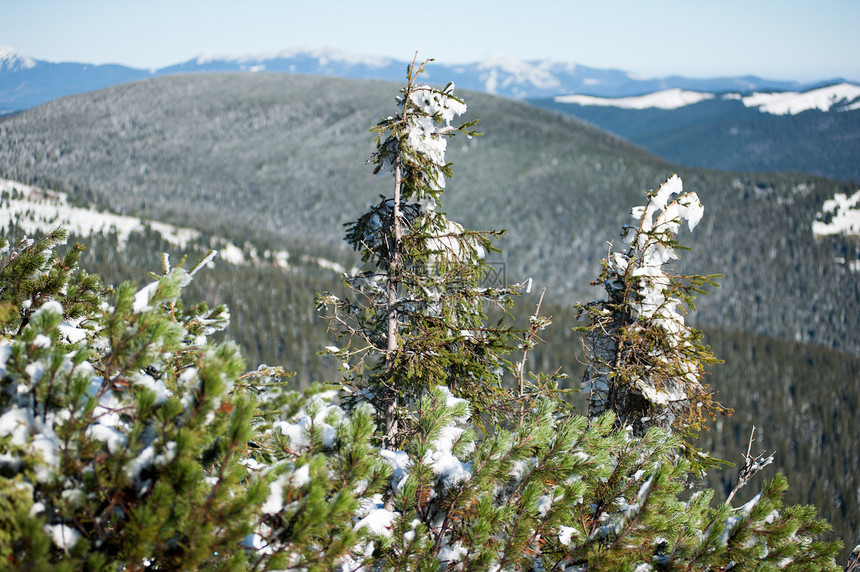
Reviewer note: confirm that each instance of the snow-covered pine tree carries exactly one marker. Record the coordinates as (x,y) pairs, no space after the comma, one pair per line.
(417,317)
(120,440)
(646,363)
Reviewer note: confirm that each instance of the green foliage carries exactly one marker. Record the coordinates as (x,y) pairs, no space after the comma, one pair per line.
(553,493)
(122,441)
(418,318)
(646,364)
(30,273)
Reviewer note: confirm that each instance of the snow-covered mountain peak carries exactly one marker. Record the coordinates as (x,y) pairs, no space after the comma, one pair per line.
(666,99)
(324,55)
(504,63)
(500,72)
(10,60)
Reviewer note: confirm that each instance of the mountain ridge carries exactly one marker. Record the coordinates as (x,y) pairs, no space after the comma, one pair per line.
(841,96)
(26,82)
(815,131)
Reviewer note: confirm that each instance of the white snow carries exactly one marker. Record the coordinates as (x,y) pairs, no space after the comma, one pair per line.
(256,543)
(35,434)
(452,553)
(452,401)
(281,258)
(448,468)
(113,438)
(565,533)
(792,103)
(323,263)
(16,422)
(501,72)
(5,354)
(157,387)
(298,430)
(654,302)
(63,535)
(400,463)
(232,254)
(12,61)
(41,210)
(143,297)
(424,135)
(275,502)
(301,476)
(38,210)
(51,306)
(378,522)
(843,96)
(324,55)
(844,214)
(667,99)
(206,260)
(253,464)
(71,332)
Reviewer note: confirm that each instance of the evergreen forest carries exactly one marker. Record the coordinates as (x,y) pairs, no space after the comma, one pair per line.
(407,393)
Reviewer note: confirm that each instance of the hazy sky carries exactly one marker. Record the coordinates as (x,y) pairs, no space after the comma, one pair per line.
(777,39)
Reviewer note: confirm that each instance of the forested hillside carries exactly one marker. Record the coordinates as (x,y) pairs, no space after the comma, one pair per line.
(271,159)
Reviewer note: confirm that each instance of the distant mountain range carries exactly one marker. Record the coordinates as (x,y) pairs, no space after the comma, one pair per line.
(26,82)
(815,131)
(836,97)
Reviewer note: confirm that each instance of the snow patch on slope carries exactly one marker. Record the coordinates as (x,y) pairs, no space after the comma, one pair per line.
(41,210)
(792,103)
(667,99)
(36,210)
(839,215)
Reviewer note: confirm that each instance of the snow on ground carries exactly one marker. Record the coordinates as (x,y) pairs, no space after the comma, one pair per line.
(840,215)
(325,55)
(232,254)
(40,210)
(324,263)
(37,210)
(843,96)
(792,103)
(667,99)
(843,214)
(11,60)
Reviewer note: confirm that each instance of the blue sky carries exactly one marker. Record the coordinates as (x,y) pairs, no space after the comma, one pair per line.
(785,39)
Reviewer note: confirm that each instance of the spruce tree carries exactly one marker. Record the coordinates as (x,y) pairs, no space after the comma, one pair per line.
(646,364)
(417,318)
